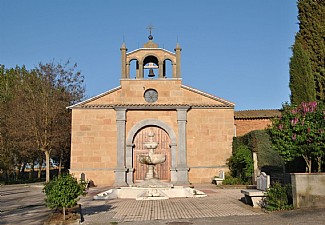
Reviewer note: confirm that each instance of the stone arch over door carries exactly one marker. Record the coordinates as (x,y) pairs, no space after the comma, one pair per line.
(130,145)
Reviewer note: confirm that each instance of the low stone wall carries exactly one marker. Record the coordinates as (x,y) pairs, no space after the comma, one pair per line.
(308,190)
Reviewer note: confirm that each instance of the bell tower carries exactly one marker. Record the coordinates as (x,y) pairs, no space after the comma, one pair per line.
(149,58)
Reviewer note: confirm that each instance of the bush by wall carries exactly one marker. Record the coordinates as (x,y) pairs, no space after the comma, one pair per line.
(258,141)
(278,197)
(241,164)
(230,180)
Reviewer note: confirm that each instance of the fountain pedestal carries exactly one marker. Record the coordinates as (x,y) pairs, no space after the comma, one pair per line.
(152,159)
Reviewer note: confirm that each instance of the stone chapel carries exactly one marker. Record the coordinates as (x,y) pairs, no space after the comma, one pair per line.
(193,128)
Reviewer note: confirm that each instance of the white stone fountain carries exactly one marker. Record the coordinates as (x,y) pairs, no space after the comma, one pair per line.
(151,188)
(151,159)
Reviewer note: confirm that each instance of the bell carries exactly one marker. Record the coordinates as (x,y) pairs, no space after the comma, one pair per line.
(151,73)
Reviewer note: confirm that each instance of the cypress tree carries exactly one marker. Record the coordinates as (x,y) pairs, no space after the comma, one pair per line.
(311,15)
(302,83)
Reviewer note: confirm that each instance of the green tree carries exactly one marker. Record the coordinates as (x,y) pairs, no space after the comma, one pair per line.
(300,132)
(33,114)
(7,155)
(63,192)
(311,35)
(15,149)
(48,90)
(302,84)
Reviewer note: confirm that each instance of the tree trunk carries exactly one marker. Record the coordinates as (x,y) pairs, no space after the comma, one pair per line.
(32,170)
(40,165)
(319,164)
(60,162)
(63,213)
(39,172)
(308,164)
(284,172)
(47,163)
(22,171)
(60,166)
(6,177)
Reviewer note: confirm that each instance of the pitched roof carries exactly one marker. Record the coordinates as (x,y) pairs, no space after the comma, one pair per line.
(257,114)
(151,106)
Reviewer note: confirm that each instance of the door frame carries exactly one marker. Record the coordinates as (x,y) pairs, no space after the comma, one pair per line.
(129,147)
(163,139)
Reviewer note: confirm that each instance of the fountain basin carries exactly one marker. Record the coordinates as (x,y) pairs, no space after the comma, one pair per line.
(156,193)
(152,159)
(150,145)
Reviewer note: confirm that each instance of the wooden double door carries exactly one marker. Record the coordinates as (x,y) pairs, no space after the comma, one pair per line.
(160,136)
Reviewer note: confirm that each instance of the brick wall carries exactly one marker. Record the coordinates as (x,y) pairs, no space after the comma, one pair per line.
(244,126)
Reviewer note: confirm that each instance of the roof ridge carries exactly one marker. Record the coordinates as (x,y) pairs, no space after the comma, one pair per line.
(245,110)
(258,113)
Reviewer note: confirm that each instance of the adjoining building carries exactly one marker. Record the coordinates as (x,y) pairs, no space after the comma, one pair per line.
(249,120)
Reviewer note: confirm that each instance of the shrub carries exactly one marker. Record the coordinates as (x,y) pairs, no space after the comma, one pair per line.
(278,197)
(241,164)
(229,180)
(63,192)
(258,141)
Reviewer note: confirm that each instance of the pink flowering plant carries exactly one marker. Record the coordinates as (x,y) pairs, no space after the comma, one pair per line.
(299,132)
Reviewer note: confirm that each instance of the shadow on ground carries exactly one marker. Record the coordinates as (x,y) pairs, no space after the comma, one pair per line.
(90,210)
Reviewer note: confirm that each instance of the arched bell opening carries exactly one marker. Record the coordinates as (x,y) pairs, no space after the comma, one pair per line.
(168,68)
(133,68)
(151,67)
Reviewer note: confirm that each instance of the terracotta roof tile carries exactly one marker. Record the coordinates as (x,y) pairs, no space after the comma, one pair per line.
(257,114)
(149,106)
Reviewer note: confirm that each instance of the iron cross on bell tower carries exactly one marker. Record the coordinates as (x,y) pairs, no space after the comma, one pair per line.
(150,28)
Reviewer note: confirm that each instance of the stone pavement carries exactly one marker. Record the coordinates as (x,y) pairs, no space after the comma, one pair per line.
(221,206)
(219,203)
(24,204)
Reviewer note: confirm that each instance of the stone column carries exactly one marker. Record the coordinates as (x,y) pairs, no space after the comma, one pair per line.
(129,162)
(173,171)
(123,61)
(161,70)
(174,70)
(256,170)
(141,70)
(137,72)
(178,61)
(182,169)
(128,70)
(120,170)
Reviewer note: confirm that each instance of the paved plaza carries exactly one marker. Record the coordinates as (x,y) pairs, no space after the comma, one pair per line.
(24,204)
(220,202)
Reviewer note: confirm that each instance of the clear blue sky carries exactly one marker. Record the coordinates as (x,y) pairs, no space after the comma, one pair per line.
(234,49)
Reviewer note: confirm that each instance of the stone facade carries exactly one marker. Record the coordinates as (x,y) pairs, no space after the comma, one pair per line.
(200,126)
